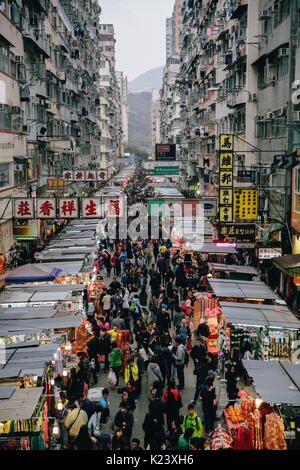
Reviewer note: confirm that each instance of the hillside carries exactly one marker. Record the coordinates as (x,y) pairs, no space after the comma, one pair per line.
(148,80)
(140,119)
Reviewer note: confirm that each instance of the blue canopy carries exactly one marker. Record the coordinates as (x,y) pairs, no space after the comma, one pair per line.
(31,273)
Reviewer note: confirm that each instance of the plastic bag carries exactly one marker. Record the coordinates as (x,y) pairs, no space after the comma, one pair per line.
(112,379)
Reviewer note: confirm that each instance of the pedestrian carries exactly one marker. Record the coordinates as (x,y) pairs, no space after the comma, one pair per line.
(131,372)
(179,358)
(118,441)
(94,425)
(74,420)
(124,419)
(86,405)
(231,387)
(106,429)
(83,441)
(173,401)
(154,372)
(192,421)
(116,361)
(153,428)
(184,440)
(104,348)
(209,405)
(139,361)
(184,332)
(135,444)
(103,399)
(198,352)
(119,322)
(106,303)
(153,307)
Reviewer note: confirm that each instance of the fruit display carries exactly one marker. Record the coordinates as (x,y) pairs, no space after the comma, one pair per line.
(247,407)
(235,415)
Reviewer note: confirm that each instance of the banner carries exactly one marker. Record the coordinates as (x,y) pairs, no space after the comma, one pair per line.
(85,175)
(239,233)
(46,208)
(245,204)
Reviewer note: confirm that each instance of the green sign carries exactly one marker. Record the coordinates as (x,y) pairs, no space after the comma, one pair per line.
(156,207)
(166,170)
(193,188)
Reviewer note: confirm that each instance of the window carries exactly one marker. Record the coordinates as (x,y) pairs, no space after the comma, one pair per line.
(4,58)
(4,174)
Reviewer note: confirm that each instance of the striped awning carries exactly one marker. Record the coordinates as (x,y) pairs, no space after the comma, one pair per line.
(289,264)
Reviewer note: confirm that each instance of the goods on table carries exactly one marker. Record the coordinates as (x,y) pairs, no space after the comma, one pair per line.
(247,407)
(235,415)
(220,439)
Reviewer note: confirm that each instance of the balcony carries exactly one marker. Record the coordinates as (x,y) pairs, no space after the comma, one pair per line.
(33,34)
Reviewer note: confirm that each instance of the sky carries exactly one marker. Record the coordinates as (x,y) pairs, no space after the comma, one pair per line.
(140,30)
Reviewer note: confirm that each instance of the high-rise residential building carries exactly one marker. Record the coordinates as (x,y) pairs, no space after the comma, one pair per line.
(169,37)
(176,24)
(155,119)
(114,144)
(49,100)
(107,41)
(123,86)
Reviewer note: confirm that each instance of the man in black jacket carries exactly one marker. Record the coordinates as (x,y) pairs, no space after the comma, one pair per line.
(104,348)
(93,351)
(139,361)
(163,320)
(198,353)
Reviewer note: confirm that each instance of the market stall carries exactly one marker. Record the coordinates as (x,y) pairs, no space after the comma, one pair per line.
(242,291)
(270,331)
(31,273)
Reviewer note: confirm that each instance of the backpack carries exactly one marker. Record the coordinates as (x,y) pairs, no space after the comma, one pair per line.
(132,307)
(197,422)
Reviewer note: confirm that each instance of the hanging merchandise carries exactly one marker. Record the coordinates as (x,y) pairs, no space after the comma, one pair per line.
(274,433)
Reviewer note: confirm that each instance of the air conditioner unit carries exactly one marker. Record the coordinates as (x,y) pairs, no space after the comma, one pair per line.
(263,15)
(25,129)
(15,109)
(283,52)
(252,97)
(296,116)
(18,59)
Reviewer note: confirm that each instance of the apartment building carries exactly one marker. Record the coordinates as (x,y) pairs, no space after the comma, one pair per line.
(176,25)
(169,37)
(238,63)
(155,119)
(123,86)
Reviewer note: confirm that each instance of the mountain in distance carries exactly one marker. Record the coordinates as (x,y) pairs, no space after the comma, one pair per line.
(146,81)
(139,105)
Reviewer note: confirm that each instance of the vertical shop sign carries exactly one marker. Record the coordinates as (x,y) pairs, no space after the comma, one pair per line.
(226,178)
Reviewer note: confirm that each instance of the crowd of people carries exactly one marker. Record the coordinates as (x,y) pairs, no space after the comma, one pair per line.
(150,293)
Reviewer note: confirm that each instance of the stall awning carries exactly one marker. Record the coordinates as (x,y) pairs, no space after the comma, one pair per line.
(289,264)
(276,382)
(31,273)
(233,268)
(21,405)
(242,289)
(210,248)
(273,316)
(13,327)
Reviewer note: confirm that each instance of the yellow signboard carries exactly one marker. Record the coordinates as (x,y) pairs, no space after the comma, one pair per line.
(226,197)
(245,204)
(226,179)
(226,214)
(226,160)
(226,142)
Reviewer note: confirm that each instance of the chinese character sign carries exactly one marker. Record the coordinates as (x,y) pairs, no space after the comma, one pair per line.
(90,176)
(91,207)
(79,175)
(226,178)
(68,208)
(46,208)
(240,233)
(23,208)
(226,142)
(113,208)
(245,204)
(102,175)
(68,175)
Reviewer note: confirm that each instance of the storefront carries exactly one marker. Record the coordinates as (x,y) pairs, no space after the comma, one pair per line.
(288,268)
